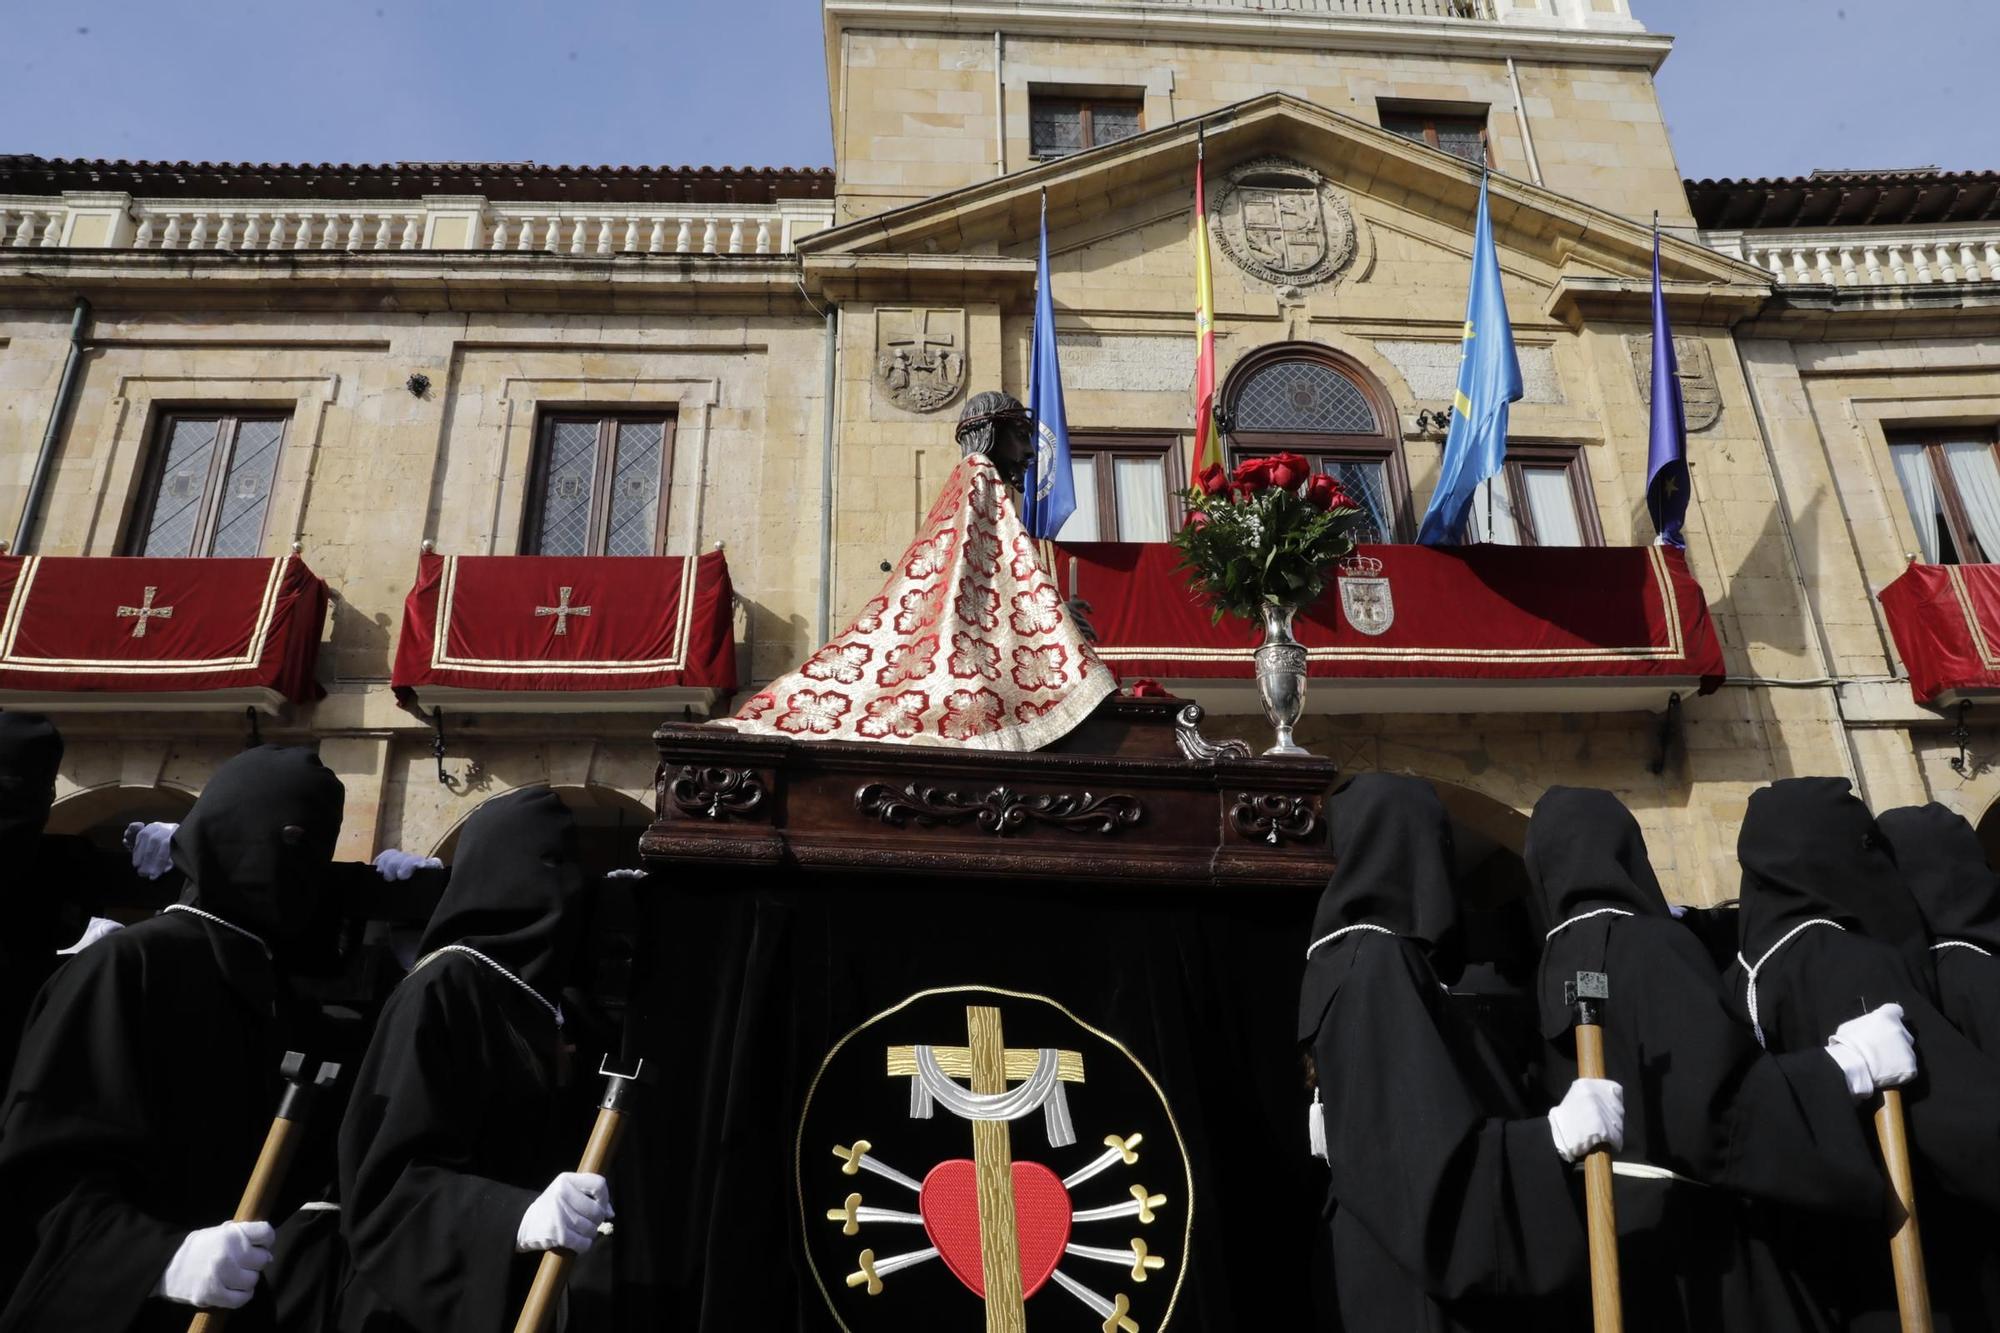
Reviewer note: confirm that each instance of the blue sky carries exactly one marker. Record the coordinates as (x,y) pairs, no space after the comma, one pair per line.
(1755,87)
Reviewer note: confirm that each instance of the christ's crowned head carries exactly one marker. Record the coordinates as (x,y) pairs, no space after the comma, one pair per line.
(995,424)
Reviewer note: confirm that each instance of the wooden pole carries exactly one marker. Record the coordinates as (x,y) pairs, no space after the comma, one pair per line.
(538,1312)
(1607,1312)
(1906,1251)
(274,1161)
(1585,995)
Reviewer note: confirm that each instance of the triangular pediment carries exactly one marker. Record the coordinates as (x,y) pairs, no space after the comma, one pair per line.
(1411,202)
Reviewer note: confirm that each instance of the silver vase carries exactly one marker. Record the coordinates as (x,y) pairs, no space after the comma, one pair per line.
(1281,676)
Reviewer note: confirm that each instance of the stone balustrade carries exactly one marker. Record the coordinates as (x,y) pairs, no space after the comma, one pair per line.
(437,222)
(1870,257)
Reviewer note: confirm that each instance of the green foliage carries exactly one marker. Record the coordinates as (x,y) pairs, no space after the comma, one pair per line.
(1244,551)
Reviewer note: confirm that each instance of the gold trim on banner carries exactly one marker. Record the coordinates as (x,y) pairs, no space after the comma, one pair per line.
(498,666)
(17,611)
(1674,648)
(1972,625)
(805,1109)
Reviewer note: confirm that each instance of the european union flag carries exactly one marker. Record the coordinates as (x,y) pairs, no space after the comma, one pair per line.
(1667,453)
(1489,378)
(1048,492)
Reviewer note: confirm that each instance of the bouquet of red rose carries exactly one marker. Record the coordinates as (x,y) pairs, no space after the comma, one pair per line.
(1265,534)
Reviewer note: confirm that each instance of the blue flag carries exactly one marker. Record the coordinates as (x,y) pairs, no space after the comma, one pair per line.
(1667,454)
(1048,493)
(1489,378)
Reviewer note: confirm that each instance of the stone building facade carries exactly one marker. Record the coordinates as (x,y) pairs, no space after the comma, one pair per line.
(420,330)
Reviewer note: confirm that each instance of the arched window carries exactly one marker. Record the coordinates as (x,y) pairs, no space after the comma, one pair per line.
(1314,401)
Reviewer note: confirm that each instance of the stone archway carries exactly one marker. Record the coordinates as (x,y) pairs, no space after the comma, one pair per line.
(100,814)
(608,827)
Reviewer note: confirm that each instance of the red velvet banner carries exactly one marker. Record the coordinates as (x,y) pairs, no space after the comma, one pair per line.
(112,625)
(568,624)
(1946,623)
(1474,612)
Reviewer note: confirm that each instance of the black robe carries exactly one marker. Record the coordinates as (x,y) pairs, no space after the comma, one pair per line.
(450,1131)
(31,749)
(1811,851)
(1702,1100)
(1959,896)
(148,1074)
(1448,1209)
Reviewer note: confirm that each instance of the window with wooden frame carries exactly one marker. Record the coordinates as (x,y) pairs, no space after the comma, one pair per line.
(1125,488)
(1060,125)
(1460,131)
(1951,481)
(1542,497)
(599,484)
(208,483)
(1311,400)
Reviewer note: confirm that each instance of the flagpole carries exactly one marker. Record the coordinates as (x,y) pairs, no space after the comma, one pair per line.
(1485,173)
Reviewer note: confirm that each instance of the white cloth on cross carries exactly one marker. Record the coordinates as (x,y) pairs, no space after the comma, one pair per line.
(1043,1091)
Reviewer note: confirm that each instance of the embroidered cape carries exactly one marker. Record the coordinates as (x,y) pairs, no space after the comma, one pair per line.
(968,643)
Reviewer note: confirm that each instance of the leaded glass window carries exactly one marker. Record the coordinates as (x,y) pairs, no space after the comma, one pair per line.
(1463,134)
(209,489)
(1305,397)
(1059,126)
(599,481)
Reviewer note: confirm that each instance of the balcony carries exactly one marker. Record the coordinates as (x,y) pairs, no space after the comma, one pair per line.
(112,221)
(1945,620)
(1414,629)
(532,633)
(119,634)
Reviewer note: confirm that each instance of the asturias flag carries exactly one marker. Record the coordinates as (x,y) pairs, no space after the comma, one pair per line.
(1666,455)
(1048,494)
(1207,449)
(1489,379)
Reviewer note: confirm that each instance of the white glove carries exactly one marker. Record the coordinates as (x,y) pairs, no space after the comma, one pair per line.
(152,848)
(1874,1051)
(625,872)
(216,1268)
(99,927)
(399,865)
(1590,1116)
(566,1215)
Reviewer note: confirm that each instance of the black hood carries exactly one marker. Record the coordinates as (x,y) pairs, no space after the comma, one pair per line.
(516,888)
(1392,868)
(1809,848)
(256,846)
(31,749)
(1945,867)
(1584,852)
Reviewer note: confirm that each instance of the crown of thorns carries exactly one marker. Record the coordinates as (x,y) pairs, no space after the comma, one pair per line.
(1014,413)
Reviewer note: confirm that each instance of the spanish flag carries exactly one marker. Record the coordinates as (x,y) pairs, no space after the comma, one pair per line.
(1207,449)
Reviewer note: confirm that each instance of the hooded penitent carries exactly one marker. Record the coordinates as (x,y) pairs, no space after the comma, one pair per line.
(1959,896)
(1449,1206)
(30,750)
(1811,852)
(1702,1100)
(149,1071)
(256,846)
(450,1133)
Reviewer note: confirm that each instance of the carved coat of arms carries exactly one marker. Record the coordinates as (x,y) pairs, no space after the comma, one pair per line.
(919,357)
(1282,222)
(1701,395)
(1365,599)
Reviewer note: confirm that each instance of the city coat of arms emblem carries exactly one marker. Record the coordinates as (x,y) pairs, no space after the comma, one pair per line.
(1365,599)
(1018,1161)
(1281,221)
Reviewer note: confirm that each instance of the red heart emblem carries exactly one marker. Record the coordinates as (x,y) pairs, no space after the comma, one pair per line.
(950,1207)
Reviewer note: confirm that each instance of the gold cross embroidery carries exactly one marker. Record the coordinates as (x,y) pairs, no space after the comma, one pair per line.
(144,612)
(562,610)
